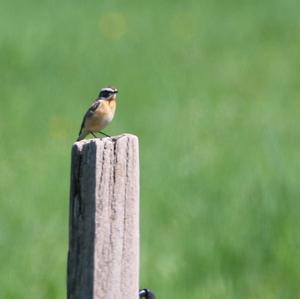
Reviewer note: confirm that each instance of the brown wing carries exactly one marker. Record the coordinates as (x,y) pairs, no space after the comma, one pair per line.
(89,113)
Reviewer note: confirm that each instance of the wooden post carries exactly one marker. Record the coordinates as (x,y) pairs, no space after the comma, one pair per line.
(103,257)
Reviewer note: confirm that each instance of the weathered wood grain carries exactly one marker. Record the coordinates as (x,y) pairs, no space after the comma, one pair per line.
(103,258)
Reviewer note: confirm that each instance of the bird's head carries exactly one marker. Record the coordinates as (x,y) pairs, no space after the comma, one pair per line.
(108,93)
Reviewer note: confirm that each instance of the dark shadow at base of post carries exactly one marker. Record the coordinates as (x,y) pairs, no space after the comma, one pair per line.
(82,206)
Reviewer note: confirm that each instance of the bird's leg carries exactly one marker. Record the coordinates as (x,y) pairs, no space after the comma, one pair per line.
(145,293)
(93,134)
(104,134)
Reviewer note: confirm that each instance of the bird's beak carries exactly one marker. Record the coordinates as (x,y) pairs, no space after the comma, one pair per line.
(116,92)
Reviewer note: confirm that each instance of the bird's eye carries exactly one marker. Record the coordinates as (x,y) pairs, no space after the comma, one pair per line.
(104,94)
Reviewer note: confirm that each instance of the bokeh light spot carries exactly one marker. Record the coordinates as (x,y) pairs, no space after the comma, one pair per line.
(113,25)
(184,25)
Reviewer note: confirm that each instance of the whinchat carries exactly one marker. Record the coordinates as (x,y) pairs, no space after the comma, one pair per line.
(100,114)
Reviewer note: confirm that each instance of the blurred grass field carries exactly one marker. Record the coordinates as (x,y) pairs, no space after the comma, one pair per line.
(212,90)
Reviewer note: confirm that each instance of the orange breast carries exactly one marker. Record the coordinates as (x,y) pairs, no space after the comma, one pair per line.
(106,109)
(102,116)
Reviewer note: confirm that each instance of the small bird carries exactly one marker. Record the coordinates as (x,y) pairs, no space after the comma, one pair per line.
(100,114)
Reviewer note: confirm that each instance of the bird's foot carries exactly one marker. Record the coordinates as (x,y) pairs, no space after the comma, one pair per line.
(94,135)
(104,134)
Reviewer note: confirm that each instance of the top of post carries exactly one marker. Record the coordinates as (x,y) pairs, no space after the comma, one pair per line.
(113,139)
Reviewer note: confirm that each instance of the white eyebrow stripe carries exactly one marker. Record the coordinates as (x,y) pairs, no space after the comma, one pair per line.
(107,89)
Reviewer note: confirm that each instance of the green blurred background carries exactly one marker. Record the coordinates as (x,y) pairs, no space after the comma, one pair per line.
(212,90)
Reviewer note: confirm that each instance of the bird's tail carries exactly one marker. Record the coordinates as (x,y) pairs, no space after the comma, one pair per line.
(82,135)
